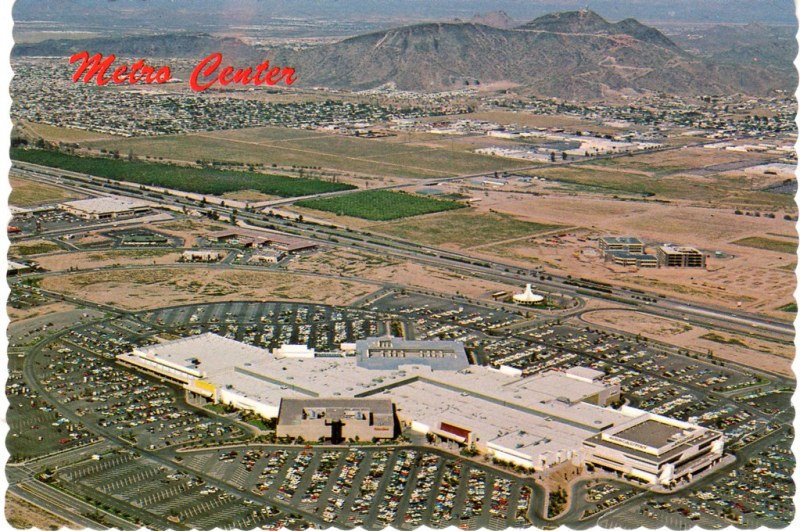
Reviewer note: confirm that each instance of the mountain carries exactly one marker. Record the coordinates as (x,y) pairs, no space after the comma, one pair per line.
(570,55)
(495,19)
(773,46)
(575,55)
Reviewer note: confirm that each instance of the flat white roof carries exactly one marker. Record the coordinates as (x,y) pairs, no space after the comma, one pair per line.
(106,205)
(585,372)
(516,413)
(13,266)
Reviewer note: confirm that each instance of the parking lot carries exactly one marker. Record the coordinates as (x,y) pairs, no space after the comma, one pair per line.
(367,486)
(140,237)
(757,493)
(269,325)
(163,497)
(35,428)
(373,487)
(145,412)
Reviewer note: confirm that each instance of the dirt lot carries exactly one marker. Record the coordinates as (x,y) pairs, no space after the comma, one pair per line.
(187,229)
(28,193)
(729,280)
(758,353)
(136,289)
(437,280)
(373,267)
(91,238)
(462,228)
(248,195)
(33,247)
(16,315)
(95,259)
(23,515)
(687,158)
(343,262)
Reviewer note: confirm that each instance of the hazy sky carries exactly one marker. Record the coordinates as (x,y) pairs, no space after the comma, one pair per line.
(189,13)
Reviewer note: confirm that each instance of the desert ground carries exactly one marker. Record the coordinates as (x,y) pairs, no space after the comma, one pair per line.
(145,288)
(767,355)
(17,315)
(23,515)
(97,259)
(28,193)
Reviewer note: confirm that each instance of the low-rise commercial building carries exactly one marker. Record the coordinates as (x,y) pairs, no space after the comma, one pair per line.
(336,419)
(267,256)
(18,268)
(536,421)
(626,244)
(654,449)
(201,255)
(102,208)
(680,256)
(625,258)
(258,239)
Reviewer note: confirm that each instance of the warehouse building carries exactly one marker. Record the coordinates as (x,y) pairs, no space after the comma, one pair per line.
(105,208)
(670,255)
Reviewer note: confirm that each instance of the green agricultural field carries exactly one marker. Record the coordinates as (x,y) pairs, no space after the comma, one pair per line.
(464,228)
(288,147)
(380,205)
(768,244)
(196,180)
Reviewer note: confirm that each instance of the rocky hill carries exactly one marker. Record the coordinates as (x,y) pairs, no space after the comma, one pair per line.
(573,55)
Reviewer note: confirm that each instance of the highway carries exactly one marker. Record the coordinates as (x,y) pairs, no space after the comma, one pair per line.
(671,307)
